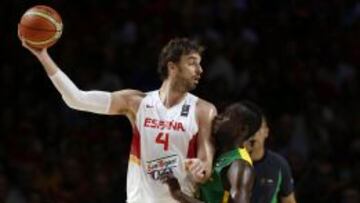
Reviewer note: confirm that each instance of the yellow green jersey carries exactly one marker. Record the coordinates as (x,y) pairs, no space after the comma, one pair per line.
(213,190)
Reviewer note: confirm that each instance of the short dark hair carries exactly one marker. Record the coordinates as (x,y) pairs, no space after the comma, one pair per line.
(173,50)
(256,119)
(248,115)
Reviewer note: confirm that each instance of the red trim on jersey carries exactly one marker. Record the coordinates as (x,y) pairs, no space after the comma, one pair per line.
(135,144)
(192,149)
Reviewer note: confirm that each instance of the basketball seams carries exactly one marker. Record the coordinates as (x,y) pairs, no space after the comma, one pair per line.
(51,39)
(54,37)
(58,26)
(34,28)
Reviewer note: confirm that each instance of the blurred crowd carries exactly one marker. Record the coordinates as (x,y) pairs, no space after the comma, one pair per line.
(299,60)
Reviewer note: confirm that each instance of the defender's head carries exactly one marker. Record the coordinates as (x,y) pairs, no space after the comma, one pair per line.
(180,59)
(236,124)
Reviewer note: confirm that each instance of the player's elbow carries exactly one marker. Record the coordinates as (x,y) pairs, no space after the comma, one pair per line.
(74,101)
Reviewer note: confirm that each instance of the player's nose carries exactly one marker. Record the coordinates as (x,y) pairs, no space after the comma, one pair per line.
(199,69)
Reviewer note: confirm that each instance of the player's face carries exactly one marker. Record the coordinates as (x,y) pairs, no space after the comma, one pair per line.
(258,140)
(188,71)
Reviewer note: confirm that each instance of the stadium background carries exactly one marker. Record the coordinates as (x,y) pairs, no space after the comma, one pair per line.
(298,59)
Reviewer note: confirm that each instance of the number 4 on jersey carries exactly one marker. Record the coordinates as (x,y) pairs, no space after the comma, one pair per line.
(163,138)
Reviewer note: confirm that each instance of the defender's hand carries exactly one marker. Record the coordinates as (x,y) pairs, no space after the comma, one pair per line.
(174,186)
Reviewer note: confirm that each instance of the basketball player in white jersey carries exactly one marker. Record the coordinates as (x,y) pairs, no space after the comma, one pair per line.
(171,127)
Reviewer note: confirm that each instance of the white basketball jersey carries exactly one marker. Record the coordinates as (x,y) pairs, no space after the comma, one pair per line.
(162,139)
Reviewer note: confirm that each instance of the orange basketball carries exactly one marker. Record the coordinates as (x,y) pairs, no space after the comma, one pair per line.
(40,26)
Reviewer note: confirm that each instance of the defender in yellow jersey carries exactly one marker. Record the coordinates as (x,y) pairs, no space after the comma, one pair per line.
(233,176)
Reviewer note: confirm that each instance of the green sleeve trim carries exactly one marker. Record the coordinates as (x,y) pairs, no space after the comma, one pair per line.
(274,198)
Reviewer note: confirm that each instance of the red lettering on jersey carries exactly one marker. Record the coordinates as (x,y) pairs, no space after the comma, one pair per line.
(180,126)
(147,122)
(161,124)
(172,125)
(153,123)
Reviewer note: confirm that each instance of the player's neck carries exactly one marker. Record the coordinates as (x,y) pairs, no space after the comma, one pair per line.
(170,95)
(257,155)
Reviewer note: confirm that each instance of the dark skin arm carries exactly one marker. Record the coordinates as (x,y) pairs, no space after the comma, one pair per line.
(240,177)
(176,193)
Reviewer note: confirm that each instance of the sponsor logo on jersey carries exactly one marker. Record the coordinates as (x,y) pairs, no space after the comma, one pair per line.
(185,110)
(149,106)
(266,181)
(161,167)
(161,124)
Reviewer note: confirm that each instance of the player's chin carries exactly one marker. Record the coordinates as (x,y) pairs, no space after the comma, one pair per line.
(191,86)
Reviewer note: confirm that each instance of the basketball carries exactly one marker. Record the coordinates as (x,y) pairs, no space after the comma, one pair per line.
(40,27)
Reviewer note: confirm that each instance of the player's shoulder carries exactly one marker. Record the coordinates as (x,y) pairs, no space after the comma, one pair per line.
(205,111)
(204,105)
(281,160)
(242,163)
(131,98)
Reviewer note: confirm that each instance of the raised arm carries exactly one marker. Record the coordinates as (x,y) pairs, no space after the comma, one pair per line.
(124,102)
(241,178)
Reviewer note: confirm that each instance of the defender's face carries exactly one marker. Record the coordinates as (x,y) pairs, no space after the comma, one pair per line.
(258,140)
(189,70)
(220,123)
(224,130)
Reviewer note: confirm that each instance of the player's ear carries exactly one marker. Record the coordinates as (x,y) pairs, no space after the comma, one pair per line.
(265,129)
(171,66)
(266,135)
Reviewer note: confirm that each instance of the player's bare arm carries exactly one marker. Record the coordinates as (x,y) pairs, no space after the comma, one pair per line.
(126,102)
(176,193)
(201,170)
(288,199)
(241,178)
